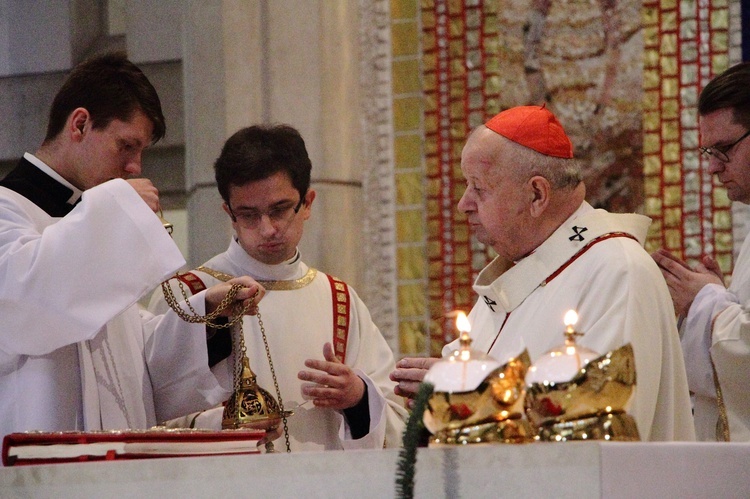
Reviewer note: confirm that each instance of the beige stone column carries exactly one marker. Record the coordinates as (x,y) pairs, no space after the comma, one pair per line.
(222,69)
(284,61)
(335,237)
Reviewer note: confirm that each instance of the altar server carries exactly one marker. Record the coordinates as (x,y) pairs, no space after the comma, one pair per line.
(319,345)
(79,246)
(715,322)
(524,198)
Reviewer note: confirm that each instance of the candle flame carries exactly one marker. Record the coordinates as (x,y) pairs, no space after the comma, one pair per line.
(462,323)
(571,317)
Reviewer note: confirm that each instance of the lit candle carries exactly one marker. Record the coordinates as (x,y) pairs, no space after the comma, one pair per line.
(570,319)
(463,326)
(462,323)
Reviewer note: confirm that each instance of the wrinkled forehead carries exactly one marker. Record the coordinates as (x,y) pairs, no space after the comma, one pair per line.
(483,153)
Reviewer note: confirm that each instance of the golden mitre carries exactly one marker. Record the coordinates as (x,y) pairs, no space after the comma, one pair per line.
(476,398)
(573,393)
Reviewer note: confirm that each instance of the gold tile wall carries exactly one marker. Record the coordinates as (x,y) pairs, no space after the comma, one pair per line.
(437,99)
(692,216)
(410,123)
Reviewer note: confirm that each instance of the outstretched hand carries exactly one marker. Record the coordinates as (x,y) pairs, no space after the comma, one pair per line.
(409,373)
(684,282)
(333,384)
(248,296)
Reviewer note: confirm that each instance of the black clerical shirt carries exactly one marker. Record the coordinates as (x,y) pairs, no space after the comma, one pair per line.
(39,188)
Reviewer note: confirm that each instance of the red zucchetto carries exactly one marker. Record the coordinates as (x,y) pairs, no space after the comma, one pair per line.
(533,127)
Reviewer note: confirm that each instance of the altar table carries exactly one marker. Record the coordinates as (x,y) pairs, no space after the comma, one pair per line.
(539,470)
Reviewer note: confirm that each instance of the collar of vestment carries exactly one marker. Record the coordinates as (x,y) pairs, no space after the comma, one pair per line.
(39,187)
(76,193)
(506,288)
(292,274)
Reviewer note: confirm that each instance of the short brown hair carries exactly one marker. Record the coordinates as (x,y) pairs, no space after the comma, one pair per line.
(109,87)
(257,152)
(730,89)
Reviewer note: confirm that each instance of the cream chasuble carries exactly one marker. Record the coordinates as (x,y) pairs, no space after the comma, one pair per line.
(297,316)
(620,297)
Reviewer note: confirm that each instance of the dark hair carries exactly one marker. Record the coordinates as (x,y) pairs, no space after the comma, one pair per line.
(729,89)
(109,87)
(257,152)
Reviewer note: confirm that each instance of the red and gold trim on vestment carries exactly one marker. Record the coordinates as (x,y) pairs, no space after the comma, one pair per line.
(565,265)
(341,309)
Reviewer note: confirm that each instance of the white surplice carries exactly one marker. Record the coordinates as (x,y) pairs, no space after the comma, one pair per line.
(76,353)
(297,323)
(717,329)
(620,296)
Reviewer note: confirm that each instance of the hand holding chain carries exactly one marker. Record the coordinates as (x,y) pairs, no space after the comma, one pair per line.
(235,319)
(209,318)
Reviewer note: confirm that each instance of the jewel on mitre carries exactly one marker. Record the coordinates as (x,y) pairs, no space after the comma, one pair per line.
(534,127)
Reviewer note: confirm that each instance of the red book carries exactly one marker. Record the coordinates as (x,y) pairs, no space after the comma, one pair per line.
(37,447)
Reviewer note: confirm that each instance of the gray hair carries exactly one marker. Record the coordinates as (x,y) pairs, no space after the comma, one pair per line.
(562,173)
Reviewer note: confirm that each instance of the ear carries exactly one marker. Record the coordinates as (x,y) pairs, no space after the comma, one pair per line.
(540,190)
(77,122)
(309,198)
(225,207)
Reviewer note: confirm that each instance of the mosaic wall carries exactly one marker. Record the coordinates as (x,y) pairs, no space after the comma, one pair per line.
(460,67)
(686,43)
(622,76)
(408,152)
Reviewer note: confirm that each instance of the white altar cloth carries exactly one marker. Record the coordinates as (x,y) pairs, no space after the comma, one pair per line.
(580,470)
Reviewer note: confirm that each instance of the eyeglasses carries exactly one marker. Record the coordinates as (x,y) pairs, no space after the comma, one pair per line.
(720,152)
(280,216)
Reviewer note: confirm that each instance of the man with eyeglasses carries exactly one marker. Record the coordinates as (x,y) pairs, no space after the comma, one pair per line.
(321,348)
(715,320)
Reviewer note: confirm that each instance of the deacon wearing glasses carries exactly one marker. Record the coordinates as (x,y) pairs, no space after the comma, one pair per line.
(715,320)
(320,348)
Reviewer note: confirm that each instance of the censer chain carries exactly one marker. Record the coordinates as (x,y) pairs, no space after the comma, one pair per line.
(273,375)
(236,319)
(209,318)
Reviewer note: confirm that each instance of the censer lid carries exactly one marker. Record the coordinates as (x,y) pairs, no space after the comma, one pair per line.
(251,406)
(561,363)
(463,369)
